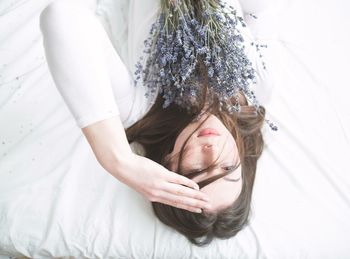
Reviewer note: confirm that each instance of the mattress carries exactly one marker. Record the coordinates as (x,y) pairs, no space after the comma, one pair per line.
(56,201)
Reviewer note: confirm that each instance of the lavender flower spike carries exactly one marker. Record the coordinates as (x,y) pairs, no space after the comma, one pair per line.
(187,32)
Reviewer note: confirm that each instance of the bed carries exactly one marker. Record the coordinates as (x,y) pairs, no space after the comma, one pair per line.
(56,201)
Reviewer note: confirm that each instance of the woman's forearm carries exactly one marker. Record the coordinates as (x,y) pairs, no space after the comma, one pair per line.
(109,143)
(74,47)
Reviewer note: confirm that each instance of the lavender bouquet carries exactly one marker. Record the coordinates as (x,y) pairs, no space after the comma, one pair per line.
(191,31)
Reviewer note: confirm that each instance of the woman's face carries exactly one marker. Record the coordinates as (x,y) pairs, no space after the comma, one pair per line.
(210,143)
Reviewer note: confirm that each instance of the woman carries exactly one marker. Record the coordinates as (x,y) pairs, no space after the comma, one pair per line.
(207,149)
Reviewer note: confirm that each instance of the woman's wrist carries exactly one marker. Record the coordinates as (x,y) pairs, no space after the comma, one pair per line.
(109,143)
(119,166)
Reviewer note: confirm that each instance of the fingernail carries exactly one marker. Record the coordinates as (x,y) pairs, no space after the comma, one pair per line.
(199,211)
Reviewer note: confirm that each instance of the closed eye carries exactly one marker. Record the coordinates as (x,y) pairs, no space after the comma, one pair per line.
(232,180)
(230,170)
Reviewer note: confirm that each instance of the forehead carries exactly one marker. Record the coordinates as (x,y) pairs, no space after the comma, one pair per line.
(223,193)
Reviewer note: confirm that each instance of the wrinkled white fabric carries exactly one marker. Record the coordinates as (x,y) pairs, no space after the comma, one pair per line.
(88,72)
(56,201)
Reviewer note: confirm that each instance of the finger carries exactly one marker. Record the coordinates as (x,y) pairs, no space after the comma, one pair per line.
(179,202)
(179,179)
(184,191)
(182,202)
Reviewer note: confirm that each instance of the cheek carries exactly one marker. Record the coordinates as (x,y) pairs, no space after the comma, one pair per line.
(185,133)
(178,144)
(180,140)
(231,146)
(223,193)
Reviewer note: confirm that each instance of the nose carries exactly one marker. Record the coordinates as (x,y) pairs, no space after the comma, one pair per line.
(207,146)
(210,150)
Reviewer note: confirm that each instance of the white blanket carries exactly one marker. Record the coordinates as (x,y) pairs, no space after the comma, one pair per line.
(57,201)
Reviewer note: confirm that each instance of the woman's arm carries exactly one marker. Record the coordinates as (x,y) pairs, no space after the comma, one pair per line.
(108,141)
(75,59)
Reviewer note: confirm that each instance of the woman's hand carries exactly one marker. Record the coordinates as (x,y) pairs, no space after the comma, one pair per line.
(109,143)
(158,184)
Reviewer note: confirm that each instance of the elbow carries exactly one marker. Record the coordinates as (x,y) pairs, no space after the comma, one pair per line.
(47,15)
(49,18)
(54,15)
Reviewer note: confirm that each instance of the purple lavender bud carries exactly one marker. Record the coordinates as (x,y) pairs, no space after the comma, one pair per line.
(210,72)
(161,72)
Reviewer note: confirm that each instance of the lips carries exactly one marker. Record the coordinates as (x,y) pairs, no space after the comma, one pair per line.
(208,132)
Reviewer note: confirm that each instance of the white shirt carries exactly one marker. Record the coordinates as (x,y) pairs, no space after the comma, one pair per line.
(87,70)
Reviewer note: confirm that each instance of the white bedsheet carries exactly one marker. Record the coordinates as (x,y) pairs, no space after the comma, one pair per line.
(57,201)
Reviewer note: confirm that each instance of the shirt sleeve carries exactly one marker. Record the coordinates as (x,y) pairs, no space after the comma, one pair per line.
(114,16)
(76,62)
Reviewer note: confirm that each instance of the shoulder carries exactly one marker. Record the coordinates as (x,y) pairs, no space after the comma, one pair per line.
(63,11)
(64,6)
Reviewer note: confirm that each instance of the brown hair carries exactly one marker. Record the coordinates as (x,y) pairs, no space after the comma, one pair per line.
(157,132)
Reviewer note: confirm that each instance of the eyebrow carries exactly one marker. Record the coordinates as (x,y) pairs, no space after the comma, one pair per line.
(232,180)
